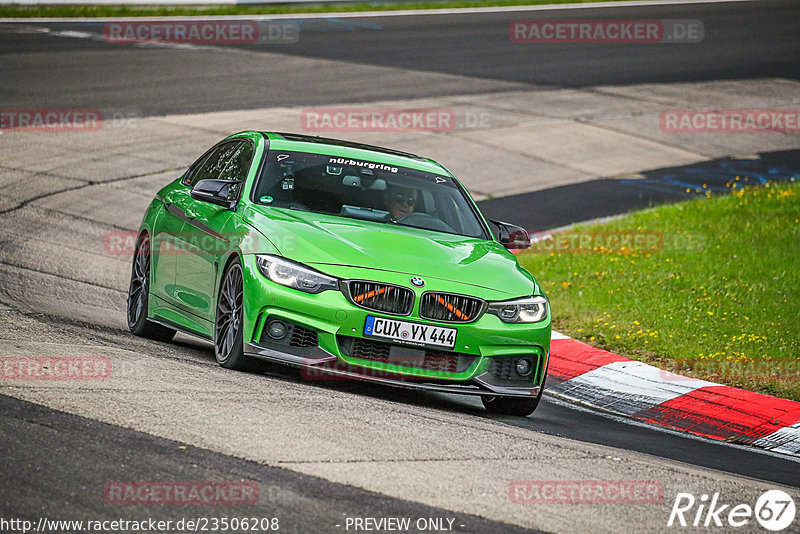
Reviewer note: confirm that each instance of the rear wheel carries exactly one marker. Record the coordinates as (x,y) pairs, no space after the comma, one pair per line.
(228,342)
(139,294)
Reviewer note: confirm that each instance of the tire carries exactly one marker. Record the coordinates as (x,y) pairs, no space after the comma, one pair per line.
(139,294)
(228,323)
(511,405)
(522,406)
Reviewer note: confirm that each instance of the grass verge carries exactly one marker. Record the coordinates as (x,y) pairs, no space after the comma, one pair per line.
(121,10)
(708,288)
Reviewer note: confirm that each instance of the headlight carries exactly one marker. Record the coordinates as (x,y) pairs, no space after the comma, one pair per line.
(290,274)
(526,310)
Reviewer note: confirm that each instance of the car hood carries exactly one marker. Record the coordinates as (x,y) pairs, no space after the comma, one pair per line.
(340,247)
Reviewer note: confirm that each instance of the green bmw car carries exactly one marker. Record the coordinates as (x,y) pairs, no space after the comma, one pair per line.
(346,260)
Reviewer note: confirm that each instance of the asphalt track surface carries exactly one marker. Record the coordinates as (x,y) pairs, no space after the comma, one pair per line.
(557,207)
(45,451)
(743,40)
(38,475)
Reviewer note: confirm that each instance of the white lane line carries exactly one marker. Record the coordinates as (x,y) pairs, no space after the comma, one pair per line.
(627,387)
(72,33)
(145,44)
(398,13)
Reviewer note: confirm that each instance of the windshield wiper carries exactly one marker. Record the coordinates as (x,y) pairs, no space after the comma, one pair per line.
(365,214)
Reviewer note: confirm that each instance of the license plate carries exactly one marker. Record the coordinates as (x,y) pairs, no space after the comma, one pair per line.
(411,333)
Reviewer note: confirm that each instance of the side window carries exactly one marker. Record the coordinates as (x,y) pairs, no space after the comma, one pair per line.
(229,161)
(188,177)
(198,166)
(239,163)
(214,165)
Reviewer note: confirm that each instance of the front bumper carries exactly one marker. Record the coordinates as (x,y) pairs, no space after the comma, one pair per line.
(331,367)
(482,361)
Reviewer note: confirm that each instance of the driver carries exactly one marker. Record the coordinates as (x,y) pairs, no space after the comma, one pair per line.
(400,201)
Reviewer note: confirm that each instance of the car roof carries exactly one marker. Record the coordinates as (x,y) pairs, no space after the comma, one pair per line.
(343,148)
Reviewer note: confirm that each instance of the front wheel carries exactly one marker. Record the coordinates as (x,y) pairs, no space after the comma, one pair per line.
(228,342)
(512,405)
(522,406)
(139,294)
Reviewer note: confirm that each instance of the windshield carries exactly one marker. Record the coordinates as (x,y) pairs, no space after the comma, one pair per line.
(362,189)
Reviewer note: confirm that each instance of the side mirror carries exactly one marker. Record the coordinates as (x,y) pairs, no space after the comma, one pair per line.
(220,192)
(512,237)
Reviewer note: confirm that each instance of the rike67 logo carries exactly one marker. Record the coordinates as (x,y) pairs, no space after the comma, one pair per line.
(774,510)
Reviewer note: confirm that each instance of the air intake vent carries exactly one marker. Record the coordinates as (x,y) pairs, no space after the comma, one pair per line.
(503,368)
(429,360)
(303,337)
(370,350)
(451,308)
(381,297)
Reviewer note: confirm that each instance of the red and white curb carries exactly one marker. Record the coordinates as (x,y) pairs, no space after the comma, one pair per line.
(594,377)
